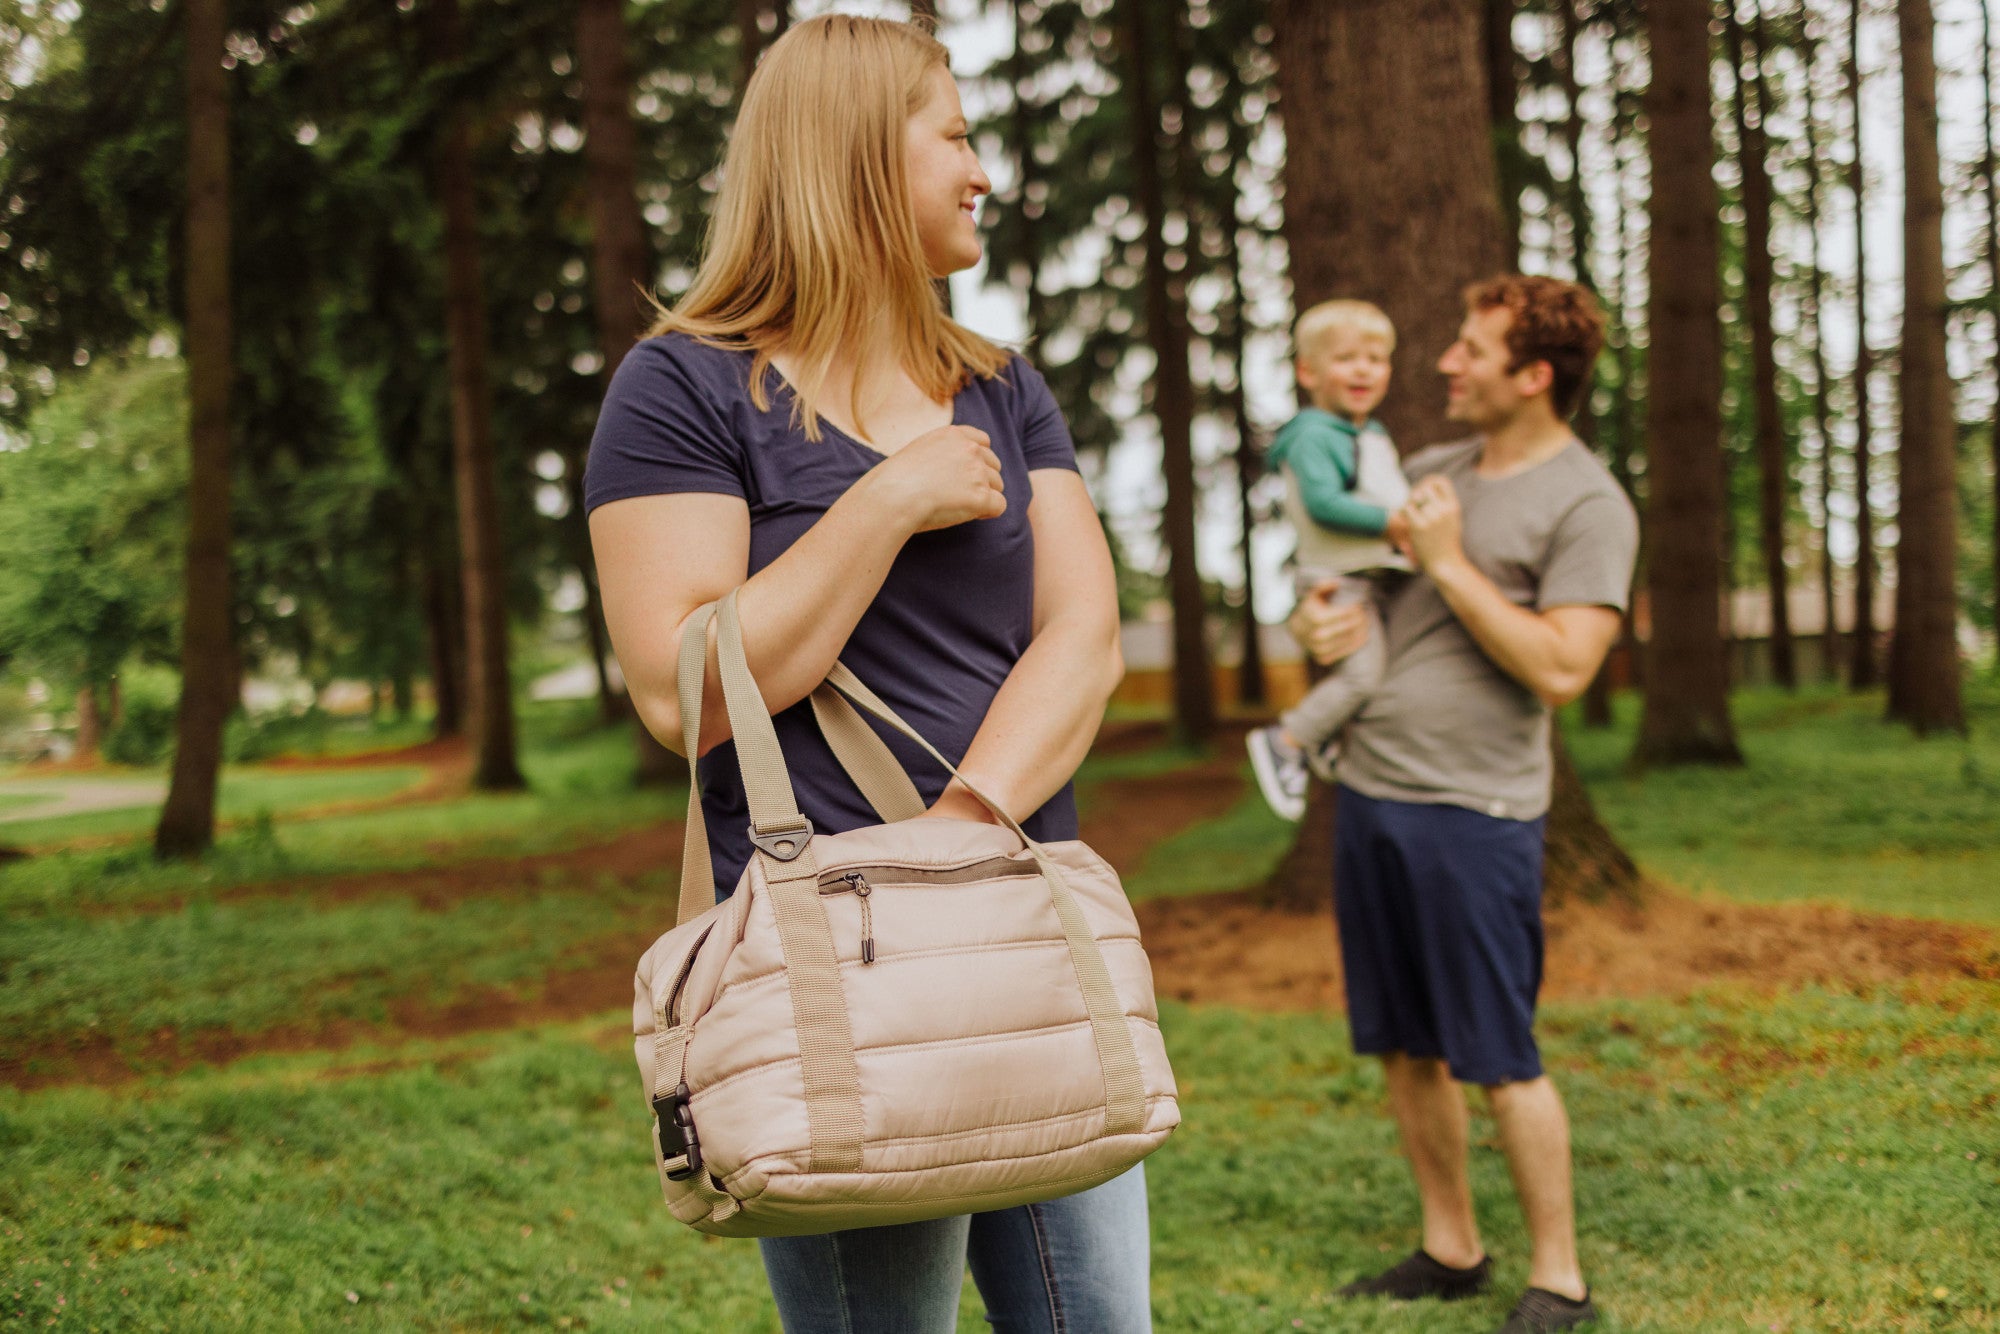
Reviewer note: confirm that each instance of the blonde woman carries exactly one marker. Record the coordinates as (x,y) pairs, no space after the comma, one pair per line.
(892,490)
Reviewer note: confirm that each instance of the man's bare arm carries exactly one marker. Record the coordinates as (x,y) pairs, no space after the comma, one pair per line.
(1554,652)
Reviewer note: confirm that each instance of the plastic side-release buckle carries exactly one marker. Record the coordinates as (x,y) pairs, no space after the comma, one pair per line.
(784,844)
(677,1134)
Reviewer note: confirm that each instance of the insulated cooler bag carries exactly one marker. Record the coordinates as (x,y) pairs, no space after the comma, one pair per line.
(920,1018)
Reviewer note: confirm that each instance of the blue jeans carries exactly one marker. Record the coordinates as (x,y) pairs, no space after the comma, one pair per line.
(1077,1265)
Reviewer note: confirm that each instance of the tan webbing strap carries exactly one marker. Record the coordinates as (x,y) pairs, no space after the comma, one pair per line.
(1124,1088)
(697,871)
(791,874)
(767,788)
(866,757)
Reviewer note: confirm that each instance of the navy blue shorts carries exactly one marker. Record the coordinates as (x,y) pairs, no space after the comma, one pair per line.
(1440,916)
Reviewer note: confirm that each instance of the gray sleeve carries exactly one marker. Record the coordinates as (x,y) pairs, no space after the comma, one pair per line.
(1591,555)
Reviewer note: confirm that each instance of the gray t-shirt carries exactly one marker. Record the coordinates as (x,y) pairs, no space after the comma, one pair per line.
(1447,726)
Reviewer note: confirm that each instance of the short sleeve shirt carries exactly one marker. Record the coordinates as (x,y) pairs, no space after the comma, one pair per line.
(1447,725)
(953,616)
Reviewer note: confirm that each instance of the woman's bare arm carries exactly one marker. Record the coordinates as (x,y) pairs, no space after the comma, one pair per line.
(1042,722)
(661,557)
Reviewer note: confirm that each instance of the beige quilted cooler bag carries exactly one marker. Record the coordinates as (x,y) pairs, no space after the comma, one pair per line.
(916,1019)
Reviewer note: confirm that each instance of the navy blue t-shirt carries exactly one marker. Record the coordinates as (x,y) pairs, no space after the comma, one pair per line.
(953,616)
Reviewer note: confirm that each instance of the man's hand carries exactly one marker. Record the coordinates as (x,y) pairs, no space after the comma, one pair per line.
(1436,524)
(1328,632)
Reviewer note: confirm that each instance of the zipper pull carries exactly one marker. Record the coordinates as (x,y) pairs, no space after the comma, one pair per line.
(863,890)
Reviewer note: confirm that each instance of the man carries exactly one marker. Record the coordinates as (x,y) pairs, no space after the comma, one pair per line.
(1525,545)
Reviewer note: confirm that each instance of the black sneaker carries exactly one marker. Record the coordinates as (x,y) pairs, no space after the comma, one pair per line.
(1421,1276)
(1280,767)
(1540,1310)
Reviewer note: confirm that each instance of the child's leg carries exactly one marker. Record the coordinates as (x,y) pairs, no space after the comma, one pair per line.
(1318,718)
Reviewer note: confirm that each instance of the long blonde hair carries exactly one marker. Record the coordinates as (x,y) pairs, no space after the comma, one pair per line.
(814,232)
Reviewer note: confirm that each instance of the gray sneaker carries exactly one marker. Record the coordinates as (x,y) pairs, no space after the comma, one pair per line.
(1281,773)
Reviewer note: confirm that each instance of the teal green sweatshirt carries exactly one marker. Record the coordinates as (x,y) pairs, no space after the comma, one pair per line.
(1322,451)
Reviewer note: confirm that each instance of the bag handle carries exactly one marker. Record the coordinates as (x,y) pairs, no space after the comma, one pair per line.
(866,758)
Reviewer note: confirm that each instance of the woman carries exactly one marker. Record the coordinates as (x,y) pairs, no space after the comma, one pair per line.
(894,491)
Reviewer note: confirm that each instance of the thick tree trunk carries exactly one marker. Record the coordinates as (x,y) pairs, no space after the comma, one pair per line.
(1861,668)
(89,723)
(1923,654)
(1173,390)
(1393,199)
(444,631)
(1821,406)
(620,278)
(483,561)
(1773,454)
(1989,169)
(1686,717)
(1582,858)
(1503,91)
(208,639)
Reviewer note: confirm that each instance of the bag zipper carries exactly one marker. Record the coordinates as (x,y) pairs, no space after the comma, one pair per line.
(856,882)
(853,882)
(993,868)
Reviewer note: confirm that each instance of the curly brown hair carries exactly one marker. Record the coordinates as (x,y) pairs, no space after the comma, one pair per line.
(1554,321)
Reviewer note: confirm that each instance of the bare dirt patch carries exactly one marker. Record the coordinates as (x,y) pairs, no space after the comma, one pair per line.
(1128,816)
(1230,950)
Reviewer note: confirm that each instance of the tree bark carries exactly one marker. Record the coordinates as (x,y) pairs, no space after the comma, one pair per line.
(1686,716)
(1582,859)
(1923,653)
(621,267)
(1773,485)
(1822,408)
(483,565)
(89,723)
(1503,91)
(1861,669)
(1394,199)
(208,638)
(445,632)
(1173,389)
(1989,168)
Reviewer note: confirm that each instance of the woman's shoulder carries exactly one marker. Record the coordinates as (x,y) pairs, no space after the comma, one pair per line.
(713,366)
(1011,387)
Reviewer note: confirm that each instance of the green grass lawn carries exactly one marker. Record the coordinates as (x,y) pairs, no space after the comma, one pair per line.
(1832,804)
(245,792)
(1811,1161)
(1821,1162)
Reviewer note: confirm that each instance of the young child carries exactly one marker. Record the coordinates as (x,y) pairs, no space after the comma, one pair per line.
(1343,481)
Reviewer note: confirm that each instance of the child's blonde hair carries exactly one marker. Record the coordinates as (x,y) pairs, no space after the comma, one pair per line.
(1328,318)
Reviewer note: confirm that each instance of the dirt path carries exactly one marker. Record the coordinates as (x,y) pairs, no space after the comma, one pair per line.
(67,795)
(1228,950)
(1222,949)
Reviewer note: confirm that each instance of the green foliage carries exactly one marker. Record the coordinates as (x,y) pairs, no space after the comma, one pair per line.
(149,698)
(91,521)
